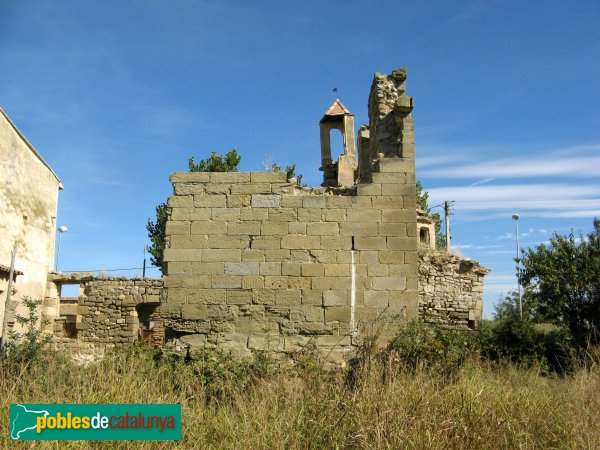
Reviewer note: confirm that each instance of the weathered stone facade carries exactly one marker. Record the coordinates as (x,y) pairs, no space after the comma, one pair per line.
(113,311)
(450,290)
(28,203)
(255,262)
(108,311)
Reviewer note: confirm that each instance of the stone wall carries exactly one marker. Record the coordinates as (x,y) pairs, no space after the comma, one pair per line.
(450,290)
(254,262)
(108,311)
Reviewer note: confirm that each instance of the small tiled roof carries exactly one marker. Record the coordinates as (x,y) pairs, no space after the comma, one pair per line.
(6,269)
(336,109)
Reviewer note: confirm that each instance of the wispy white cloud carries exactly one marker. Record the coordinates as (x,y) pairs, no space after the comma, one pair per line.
(583,213)
(499,289)
(581,166)
(527,233)
(542,200)
(432,161)
(484,181)
(462,246)
(487,247)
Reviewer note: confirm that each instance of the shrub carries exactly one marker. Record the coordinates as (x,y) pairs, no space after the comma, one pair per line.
(423,345)
(520,341)
(26,346)
(527,344)
(218,371)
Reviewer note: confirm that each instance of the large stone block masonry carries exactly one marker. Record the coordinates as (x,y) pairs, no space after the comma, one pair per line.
(280,266)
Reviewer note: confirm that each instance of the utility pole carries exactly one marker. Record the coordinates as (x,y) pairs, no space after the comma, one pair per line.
(516,218)
(447,206)
(11,275)
(144,266)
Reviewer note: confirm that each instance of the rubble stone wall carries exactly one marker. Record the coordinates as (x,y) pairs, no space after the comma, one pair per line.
(450,290)
(107,312)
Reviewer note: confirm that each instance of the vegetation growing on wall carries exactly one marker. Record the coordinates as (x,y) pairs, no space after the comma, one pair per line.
(217,163)
(290,172)
(157,228)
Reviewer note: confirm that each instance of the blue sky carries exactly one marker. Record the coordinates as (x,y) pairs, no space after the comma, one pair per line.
(116,95)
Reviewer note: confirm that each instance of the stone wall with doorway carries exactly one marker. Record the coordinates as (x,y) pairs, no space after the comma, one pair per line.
(108,311)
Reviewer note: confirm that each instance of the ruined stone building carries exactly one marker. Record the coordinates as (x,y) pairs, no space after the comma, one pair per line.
(255,262)
(28,204)
(258,263)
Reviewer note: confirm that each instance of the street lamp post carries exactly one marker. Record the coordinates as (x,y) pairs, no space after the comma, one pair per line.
(516,219)
(62,229)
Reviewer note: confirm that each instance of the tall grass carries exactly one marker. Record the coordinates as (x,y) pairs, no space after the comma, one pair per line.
(384,404)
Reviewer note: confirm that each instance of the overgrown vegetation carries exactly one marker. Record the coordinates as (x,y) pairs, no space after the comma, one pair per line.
(426,390)
(217,162)
(27,345)
(290,172)
(523,342)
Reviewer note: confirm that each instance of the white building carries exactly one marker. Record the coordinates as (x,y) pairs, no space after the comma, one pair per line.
(28,204)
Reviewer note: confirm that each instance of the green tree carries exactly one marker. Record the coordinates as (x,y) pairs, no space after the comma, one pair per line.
(156,233)
(157,228)
(217,163)
(423,203)
(562,283)
(521,341)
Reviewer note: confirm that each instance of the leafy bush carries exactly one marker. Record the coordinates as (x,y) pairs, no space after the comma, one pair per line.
(26,346)
(523,342)
(562,284)
(218,371)
(428,346)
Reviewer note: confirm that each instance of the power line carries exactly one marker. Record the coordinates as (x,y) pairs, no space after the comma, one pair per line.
(102,270)
(556,202)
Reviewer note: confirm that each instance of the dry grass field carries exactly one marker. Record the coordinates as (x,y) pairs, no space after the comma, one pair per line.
(380,404)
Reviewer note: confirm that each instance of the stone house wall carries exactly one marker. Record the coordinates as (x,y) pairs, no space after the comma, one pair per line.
(28,204)
(108,311)
(450,290)
(256,263)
